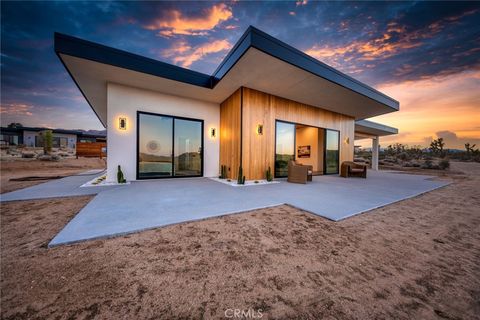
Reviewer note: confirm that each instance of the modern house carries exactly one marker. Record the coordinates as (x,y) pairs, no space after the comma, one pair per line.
(266,103)
(33,137)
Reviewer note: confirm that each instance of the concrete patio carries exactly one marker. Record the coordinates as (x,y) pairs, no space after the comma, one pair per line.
(145,205)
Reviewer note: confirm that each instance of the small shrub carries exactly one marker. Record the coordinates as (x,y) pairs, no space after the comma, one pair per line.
(269,174)
(256,181)
(444,164)
(403,156)
(120,177)
(427,164)
(47,141)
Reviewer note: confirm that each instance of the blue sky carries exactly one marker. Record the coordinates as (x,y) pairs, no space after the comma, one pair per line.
(389,46)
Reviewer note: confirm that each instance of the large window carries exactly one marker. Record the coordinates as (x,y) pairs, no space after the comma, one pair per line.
(169,146)
(284,147)
(332,154)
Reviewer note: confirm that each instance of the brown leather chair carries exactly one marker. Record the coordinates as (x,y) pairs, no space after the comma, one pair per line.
(352,169)
(298,173)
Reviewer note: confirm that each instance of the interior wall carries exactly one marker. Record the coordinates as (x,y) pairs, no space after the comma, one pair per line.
(308,136)
(262,108)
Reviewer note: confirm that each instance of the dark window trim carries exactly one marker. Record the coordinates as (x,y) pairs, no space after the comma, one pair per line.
(173,146)
(295,146)
(275,148)
(325,153)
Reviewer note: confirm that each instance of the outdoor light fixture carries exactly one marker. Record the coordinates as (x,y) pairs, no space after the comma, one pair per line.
(260,129)
(213,132)
(122,123)
(347,140)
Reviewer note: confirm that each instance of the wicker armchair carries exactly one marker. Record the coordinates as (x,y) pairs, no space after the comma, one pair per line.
(298,173)
(352,169)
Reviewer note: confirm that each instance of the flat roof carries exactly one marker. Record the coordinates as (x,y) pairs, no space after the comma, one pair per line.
(258,61)
(364,128)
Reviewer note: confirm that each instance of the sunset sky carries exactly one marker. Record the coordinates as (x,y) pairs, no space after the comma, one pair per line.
(424,54)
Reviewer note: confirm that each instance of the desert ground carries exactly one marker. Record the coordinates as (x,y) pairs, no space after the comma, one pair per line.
(21,168)
(415,259)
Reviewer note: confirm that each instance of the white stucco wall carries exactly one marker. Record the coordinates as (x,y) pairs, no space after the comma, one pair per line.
(124,102)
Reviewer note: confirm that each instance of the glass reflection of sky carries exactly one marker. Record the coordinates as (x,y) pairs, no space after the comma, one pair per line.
(332,140)
(188,135)
(158,129)
(285,138)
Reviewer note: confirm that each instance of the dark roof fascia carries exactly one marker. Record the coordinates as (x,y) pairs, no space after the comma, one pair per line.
(376,126)
(262,41)
(252,37)
(65,44)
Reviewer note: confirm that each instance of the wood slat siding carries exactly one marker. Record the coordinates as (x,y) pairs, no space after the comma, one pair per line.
(230,131)
(91,149)
(246,108)
(261,108)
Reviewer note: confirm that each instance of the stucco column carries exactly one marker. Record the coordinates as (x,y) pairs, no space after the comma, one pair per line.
(375,153)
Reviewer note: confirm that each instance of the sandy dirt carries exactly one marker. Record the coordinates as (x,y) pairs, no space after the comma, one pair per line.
(20,168)
(416,259)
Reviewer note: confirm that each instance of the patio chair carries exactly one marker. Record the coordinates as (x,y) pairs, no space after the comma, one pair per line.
(298,173)
(352,169)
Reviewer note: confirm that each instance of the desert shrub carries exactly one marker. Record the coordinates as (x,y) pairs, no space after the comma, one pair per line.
(407,165)
(427,164)
(403,156)
(444,164)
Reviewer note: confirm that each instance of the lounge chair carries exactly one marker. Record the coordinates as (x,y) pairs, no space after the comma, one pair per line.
(352,169)
(298,173)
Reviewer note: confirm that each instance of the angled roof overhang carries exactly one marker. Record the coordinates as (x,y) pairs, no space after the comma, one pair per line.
(368,129)
(258,61)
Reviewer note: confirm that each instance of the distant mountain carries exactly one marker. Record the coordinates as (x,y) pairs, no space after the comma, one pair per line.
(153,158)
(95,132)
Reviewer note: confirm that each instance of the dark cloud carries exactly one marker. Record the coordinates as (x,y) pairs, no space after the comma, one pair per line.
(376,42)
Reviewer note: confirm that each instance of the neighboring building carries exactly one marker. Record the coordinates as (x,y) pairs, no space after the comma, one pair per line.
(33,137)
(267,103)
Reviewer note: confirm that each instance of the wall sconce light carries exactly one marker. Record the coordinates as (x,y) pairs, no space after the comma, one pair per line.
(260,129)
(213,132)
(347,140)
(122,123)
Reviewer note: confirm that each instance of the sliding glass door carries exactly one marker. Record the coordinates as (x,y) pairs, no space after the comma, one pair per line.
(188,148)
(284,147)
(332,153)
(168,146)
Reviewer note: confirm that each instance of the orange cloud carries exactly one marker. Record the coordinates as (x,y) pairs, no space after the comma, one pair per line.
(185,55)
(17,109)
(370,50)
(176,23)
(434,105)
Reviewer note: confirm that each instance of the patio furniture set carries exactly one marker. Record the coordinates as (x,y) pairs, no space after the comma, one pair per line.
(299,173)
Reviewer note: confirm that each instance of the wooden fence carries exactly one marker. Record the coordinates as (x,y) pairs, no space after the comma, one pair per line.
(91,149)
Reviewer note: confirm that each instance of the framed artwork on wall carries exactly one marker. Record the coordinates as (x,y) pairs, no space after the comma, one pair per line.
(303,152)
